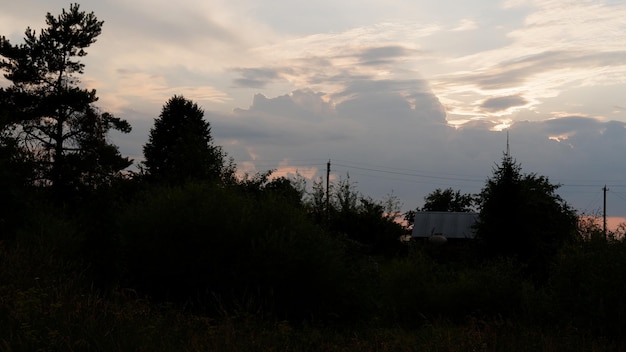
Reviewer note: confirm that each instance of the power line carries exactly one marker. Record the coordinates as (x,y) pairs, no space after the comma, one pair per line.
(430,182)
(412,174)
(619,195)
(382,167)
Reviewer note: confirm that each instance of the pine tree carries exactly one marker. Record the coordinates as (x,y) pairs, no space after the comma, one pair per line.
(50,116)
(501,225)
(180,146)
(522,217)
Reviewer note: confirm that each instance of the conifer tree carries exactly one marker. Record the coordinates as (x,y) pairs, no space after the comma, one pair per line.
(522,217)
(180,146)
(52,119)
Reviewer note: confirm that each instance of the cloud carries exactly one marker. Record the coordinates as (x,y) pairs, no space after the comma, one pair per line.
(569,66)
(256,77)
(503,103)
(382,55)
(560,46)
(569,124)
(383,142)
(327,61)
(154,88)
(301,117)
(465,24)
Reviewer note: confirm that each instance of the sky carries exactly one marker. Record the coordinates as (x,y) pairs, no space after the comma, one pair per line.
(404,96)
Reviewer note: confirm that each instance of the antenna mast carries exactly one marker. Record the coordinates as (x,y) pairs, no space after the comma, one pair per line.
(508,150)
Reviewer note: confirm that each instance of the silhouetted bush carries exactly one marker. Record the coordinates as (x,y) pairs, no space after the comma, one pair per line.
(588,289)
(214,248)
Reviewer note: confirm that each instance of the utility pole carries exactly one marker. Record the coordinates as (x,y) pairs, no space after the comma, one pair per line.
(604,189)
(328,190)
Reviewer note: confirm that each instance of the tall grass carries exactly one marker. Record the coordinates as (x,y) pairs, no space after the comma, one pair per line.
(60,310)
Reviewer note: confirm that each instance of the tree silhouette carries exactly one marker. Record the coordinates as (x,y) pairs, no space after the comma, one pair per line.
(448,200)
(521,216)
(49,115)
(180,146)
(369,222)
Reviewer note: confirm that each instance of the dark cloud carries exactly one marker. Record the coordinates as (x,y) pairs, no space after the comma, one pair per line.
(478,124)
(614,131)
(584,148)
(571,124)
(300,118)
(503,103)
(391,100)
(300,105)
(383,54)
(256,77)
(370,86)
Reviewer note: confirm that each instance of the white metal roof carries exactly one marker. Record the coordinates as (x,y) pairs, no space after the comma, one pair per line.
(448,224)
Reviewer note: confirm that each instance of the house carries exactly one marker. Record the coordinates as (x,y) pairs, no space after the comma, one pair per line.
(441,226)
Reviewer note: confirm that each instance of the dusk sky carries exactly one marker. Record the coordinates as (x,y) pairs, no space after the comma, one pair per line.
(404,95)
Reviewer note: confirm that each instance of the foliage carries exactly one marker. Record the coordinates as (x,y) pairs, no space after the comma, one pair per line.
(587,287)
(51,118)
(15,173)
(287,190)
(180,146)
(418,290)
(46,305)
(522,217)
(316,202)
(218,248)
(448,200)
(370,223)
(262,262)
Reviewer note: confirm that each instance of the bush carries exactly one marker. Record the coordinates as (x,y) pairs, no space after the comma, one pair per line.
(216,249)
(588,289)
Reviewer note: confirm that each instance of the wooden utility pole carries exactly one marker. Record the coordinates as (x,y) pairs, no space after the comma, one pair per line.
(328,190)
(604,189)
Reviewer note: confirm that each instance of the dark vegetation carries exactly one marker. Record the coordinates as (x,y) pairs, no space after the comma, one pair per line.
(184,255)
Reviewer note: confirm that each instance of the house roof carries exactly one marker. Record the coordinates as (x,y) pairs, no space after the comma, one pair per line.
(448,224)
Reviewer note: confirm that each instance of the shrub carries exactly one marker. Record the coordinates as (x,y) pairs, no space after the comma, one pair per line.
(587,287)
(214,248)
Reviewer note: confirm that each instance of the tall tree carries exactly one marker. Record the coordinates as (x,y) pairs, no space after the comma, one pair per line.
(521,216)
(448,200)
(180,146)
(50,116)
